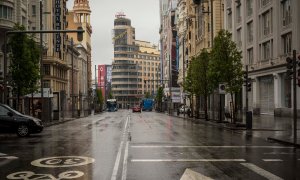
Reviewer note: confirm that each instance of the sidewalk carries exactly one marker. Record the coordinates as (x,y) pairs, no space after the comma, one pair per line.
(279,129)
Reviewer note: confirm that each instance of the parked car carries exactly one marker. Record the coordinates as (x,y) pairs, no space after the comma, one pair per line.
(184,110)
(136,108)
(12,121)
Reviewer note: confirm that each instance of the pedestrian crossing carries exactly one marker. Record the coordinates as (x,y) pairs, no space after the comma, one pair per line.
(252,166)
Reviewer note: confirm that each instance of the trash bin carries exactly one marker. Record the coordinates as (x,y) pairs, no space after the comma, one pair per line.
(249,120)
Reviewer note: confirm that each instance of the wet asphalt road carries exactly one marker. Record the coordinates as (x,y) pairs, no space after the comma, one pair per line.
(143,146)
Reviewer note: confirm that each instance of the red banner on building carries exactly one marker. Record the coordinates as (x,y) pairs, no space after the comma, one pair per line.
(102,79)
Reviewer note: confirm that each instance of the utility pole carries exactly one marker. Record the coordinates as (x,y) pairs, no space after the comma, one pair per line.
(183,73)
(72,75)
(41,61)
(295,95)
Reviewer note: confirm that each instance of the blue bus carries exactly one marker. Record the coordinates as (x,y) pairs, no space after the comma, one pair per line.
(111,105)
(147,104)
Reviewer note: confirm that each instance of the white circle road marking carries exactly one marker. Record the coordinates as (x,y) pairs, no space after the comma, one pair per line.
(62,161)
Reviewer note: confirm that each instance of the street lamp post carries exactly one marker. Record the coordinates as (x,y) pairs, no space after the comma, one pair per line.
(72,76)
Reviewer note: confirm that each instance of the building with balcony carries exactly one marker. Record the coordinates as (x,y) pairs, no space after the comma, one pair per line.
(135,67)
(266,31)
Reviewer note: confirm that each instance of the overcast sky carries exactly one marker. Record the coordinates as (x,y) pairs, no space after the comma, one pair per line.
(144,15)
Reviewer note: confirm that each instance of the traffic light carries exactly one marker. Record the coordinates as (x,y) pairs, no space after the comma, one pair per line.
(247,81)
(289,66)
(80,34)
(248,84)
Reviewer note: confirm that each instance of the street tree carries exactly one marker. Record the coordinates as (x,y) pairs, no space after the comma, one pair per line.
(159,96)
(24,67)
(226,66)
(147,95)
(188,87)
(100,99)
(110,96)
(201,81)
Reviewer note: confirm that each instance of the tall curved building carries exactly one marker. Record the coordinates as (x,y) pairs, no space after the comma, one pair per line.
(136,65)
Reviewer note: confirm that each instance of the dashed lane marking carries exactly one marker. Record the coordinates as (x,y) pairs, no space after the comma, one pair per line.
(8,157)
(262,147)
(261,171)
(117,162)
(272,160)
(188,160)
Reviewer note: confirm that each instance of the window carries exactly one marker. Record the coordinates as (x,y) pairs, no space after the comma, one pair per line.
(249,5)
(264,2)
(239,38)
(3,111)
(287,43)
(250,56)
(46,83)
(266,50)
(250,32)
(6,12)
(267,23)
(286,12)
(47,69)
(33,10)
(238,14)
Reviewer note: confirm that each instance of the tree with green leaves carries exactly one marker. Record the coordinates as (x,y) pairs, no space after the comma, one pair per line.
(147,95)
(100,99)
(110,96)
(226,66)
(24,66)
(159,96)
(188,87)
(201,81)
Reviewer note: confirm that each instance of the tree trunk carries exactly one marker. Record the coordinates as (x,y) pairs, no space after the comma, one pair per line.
(192,105)
(205,107)
(233,109)
(197,106)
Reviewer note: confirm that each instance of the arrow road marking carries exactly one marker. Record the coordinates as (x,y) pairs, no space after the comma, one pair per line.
(188,160)
(261,171)
(192,175)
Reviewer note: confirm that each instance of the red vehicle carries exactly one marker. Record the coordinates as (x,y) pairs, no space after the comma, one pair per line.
(136,108)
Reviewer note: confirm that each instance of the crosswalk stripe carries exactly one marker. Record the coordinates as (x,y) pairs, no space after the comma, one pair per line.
(188,160)
(267,147)
(261,171)
(272,160)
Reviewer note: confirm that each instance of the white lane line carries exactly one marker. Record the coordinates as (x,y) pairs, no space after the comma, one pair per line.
(1,154)
(272,160)
(9,157)
(270,147)
(117,162)
(188,160)
(261,171)
(124,172)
